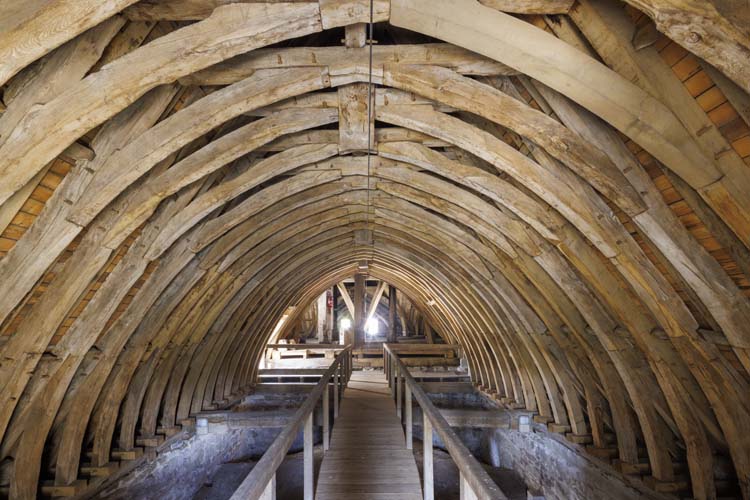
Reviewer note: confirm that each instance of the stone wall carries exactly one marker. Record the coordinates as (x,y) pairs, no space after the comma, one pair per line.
(556,468)
(185,464)
(549,465)
(179,471)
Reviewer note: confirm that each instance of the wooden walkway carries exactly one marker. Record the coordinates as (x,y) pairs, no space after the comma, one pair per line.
(368,459)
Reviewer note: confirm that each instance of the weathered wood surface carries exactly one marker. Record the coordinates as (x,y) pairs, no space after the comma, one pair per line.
(701,27)
(368,457)
(638,323)
(436,54)
(37,138)
(530,6)
(32,29)
(552,62)
(187,125)
(356,120)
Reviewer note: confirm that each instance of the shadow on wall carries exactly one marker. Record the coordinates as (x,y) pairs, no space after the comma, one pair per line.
(190,463)
(553,467)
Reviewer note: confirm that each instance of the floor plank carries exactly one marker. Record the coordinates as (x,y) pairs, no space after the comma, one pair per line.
(368,458)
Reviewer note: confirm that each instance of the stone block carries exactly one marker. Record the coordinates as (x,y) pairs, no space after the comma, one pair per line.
(201,426)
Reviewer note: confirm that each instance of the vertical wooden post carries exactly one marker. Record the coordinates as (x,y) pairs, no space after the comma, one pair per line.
(399,392)
(466,492)
(359,309)
(386,366)
(390,374)
(322,320)
(326,416)
(270,492)
(309,479)
(429,485)
(355,35)
(335,334)
(385,363)
(336,382)
(391,313)
(409,422)
(349,366)
(329,316)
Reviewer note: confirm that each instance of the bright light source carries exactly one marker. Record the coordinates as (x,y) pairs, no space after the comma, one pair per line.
(372,327)
(346,323)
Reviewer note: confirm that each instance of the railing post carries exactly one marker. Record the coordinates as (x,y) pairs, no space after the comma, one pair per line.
(390,368)
(466,492)
(342,379)
(336,379)
(409,423)
(391,373)
(326,416)
(309,479)
(270,492)
(342,369)
(429,487)
(387,366)
(399,392)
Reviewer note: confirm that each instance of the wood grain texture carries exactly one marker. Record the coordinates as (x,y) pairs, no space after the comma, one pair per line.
(368,456)
(104,93)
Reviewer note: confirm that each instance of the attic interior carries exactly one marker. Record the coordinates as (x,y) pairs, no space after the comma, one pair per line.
(256,249)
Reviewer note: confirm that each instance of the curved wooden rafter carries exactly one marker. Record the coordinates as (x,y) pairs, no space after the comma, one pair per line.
(147,287)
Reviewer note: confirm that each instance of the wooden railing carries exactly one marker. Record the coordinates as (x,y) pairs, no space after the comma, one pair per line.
(261,481)
(283,351)
(312,347)
(475,482)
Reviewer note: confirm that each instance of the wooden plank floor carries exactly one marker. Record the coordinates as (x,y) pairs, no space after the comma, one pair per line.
(368,459)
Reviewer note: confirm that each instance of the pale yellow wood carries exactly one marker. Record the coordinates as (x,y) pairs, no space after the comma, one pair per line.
(438,54)
(530,6)
(335,13)
(356,125)
(562,67)
(37,139)
(27,34)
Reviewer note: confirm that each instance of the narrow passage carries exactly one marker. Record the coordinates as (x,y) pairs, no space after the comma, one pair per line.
(368,459)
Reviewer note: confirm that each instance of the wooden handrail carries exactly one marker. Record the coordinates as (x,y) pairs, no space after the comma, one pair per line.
(335,347)
(263,474)
(472,473)
(427,347)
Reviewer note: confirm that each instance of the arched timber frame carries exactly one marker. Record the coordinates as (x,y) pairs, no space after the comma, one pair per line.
(214,186)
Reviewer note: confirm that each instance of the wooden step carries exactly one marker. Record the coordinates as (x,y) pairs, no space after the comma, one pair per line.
(126,455)
(105,470)
(150,441)
(50,489)
(639,469)
(540,419)
(188,422)
(680,484)
(558,428)
(169,431)
(579,438)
